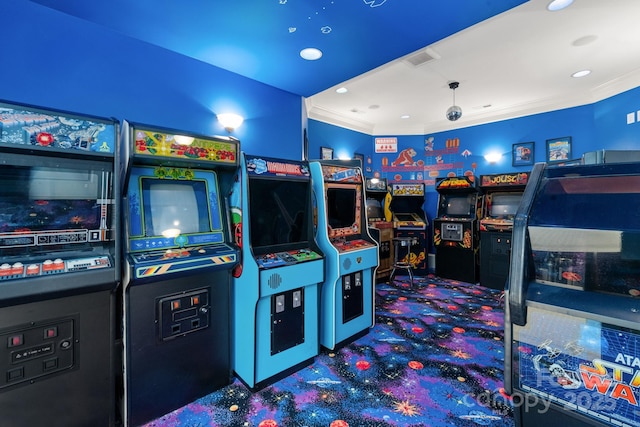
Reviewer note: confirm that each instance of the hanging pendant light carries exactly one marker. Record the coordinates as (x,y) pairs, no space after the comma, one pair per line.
(454,112)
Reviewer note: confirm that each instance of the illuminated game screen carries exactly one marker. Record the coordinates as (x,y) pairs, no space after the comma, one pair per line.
(175,207)
(169,208)
(279,211)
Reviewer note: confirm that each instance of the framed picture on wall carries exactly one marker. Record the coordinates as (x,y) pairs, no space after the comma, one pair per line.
(359,157)
(326,153)
(558,149)
(522,154)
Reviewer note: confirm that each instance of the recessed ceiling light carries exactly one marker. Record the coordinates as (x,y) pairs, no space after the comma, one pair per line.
(581,73)
(342,90)
(405,116)
(558,5)
(311,53)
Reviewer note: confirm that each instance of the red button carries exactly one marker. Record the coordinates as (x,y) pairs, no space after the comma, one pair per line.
(15,340)
(51,332)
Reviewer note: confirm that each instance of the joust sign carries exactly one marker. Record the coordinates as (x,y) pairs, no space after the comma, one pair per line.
(504,179)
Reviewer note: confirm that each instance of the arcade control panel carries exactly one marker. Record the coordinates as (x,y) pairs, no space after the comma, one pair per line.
(350,245)
(161,262)
(279,259)
(18,270)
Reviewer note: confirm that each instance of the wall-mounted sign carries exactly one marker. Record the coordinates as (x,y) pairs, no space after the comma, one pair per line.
(386,145)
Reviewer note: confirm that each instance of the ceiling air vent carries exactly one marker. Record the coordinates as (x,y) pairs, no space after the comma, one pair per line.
(421,57)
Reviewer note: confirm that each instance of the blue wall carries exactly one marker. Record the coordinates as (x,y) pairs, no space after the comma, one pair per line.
(53,60)
(597,126)
(345,142)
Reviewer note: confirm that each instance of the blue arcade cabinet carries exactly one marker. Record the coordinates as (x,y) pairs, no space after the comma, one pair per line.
(347,296)
(177,277)
(275,288)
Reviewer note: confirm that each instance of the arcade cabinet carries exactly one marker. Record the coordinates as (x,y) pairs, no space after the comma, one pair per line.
(455,230)
(380,229)
(410,221)
(572,337)
(347,295)
(275,289)
(59,267)
(502,194)
(179,256)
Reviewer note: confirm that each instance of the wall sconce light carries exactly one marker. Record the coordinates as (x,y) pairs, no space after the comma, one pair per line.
(493,157)
(230,121)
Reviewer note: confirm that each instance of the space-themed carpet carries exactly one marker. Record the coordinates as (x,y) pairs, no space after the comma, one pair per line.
(434,358)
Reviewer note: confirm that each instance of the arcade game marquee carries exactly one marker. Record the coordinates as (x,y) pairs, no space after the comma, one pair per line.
(275,288)
(572,336)
(347,297)
(177,276)
(59,267)
(455,230)
(410,221)
(502,194)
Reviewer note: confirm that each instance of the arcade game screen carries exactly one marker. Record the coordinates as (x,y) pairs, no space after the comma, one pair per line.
(374,210)
(504,205)
(279,212)
(37,200)
(176,207)
(458,205)
(341,207)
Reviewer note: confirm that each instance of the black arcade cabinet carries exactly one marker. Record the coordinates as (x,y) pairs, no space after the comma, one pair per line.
(59,267)
(179,256)
(410,221)
(455,230)
(502,194)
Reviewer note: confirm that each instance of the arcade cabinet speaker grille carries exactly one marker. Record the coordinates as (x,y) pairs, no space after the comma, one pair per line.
(346,264)
(275,280)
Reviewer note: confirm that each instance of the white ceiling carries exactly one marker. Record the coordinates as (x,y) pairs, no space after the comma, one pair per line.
(515,64)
